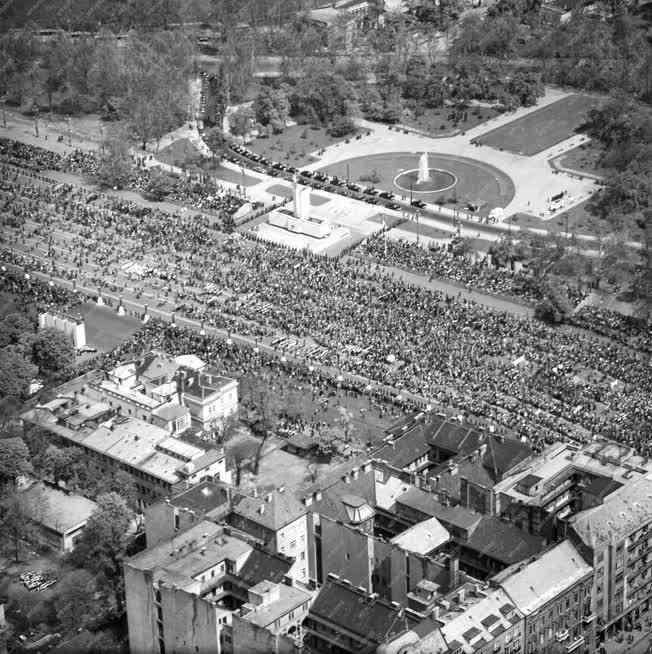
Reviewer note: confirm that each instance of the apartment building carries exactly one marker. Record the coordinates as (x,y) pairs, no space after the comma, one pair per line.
(616,539)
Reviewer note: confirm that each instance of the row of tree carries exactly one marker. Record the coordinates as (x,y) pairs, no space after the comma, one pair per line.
(143,78)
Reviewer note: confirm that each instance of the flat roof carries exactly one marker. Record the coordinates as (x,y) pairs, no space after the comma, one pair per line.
(621,513)
(266,614)
(180,559)
(423,537)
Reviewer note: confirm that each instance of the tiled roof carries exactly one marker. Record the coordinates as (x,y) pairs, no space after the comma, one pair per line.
(426,503)
(333,499)
(262,565)
(272,510)
(374,620)
(502,541)
(403,451)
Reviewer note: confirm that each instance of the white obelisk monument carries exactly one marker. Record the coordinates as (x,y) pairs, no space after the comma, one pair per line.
(424,169)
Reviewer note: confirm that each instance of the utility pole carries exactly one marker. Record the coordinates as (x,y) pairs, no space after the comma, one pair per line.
(3,100)
(69,137)
(36,110)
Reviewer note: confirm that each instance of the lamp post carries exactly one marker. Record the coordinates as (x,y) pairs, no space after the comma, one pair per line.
(417,219)
(566,217)
(101,135)
(68,125)
(410,190)
(3,100)
(36,112)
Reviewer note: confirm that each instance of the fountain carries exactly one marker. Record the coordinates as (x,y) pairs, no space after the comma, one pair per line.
(424,170)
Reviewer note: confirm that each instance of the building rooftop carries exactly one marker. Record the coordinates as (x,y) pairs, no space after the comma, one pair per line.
(272,510)
(285,599)
(263,565)
(423,537)
(404,450)
(602,460)
(371,618)
(620,514)
(181,559)
(532,584)
(473,617)
(131,441)
(202,498)
(502,541)
(426,503)
(171,411)
(204,383)
(54,508)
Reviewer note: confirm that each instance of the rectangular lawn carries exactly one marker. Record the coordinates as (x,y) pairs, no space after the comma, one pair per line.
(542,128)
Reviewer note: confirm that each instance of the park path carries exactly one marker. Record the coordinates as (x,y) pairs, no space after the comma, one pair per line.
(454,289)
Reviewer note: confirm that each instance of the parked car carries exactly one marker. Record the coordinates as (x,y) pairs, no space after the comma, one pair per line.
(418,203)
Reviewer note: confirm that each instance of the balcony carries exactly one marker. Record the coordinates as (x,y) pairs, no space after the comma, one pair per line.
(575,644)
(562,635)
(588,617)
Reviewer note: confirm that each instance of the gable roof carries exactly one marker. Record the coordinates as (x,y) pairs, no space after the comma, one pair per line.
(54,508)
(372,619)
(502,541)
(262,565)
(334,500)
(425,503)
(534,584)
(272,510)
(404,450)
(202,498)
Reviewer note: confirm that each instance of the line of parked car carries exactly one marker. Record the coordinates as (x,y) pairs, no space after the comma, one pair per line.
(318,180)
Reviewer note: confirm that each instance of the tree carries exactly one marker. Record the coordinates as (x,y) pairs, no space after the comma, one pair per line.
(17,324)
(321,96)
(16,374)
(62,464)
(19,510)
(241,121)
(218,143)
(553,309)
(343,126)
(75,599)
(100,549)
(14,461)
(116,166)
(52,351)
(238,454)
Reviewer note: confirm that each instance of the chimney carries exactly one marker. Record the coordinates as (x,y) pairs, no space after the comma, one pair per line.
(347,478)
(261,509)
(460,595)
(434,613)
(203,551)
(355,472)
(268,498)
(255,492)
(453,571)
(281,489)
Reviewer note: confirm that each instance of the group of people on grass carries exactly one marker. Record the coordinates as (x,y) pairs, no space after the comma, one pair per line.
(536,381)
(200,192)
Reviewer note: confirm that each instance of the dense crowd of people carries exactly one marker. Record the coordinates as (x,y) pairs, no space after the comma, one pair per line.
(202,192)
(437,262)
(520,374)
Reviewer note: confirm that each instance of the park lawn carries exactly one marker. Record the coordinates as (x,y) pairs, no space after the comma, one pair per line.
(105,329)
(179,153)
(543,128)
(428,231)
(439,122)
(584,159)
(294,145)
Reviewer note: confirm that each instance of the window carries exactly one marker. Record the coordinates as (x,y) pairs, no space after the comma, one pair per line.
(303,556)
(293,544)
(348,556)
